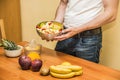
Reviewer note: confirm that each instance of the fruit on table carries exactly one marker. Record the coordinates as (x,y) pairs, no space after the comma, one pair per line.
(36,65)
(77,73)
(65,70)
(63,76)
(25,62)
(44,71)
(71,67)
(60,70)
(32,61)
(66,63)
(33,55)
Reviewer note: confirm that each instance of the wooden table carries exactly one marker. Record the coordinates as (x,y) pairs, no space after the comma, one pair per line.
(10,69)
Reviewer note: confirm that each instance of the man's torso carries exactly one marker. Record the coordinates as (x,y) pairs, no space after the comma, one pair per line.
(79,12)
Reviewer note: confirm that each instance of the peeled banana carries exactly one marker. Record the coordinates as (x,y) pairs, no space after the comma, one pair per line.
(63,76)
(60,70)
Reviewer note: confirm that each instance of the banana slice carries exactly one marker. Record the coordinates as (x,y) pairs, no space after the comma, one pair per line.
(60,70)
(63,76)
(71,67)
(77,73)
(66,63)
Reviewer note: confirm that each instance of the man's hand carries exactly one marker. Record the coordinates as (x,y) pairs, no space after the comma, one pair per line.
(67,33)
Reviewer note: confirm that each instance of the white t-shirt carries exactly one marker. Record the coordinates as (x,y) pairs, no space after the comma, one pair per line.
(79,12)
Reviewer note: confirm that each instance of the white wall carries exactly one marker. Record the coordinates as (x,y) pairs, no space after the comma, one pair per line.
(32,13)
(35,11)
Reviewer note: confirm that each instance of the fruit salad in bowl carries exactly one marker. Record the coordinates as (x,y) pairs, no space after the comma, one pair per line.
(49,29)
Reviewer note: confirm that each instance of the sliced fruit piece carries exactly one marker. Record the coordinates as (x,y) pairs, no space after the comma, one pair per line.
(62,76)
(60,70)
(33,55)
(66,63)
(42,24)
(71,67)
(77,73)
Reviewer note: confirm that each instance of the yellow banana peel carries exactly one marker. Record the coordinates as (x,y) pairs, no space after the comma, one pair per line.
(60,70)
(77,73)
(71,67)
(65,70)
(62,76)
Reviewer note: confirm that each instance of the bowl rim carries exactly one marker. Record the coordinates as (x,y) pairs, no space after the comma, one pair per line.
(50,21)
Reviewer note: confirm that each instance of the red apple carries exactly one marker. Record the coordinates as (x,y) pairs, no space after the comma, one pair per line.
(36,65)
(25,62)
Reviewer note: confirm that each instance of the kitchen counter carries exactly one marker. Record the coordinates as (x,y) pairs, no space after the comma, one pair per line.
(10,69)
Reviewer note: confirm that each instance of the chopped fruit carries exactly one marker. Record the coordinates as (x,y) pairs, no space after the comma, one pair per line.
(49,29)
(50,25)
(66,63)
(33,55)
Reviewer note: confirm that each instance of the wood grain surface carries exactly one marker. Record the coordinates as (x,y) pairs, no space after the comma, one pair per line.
(10,69)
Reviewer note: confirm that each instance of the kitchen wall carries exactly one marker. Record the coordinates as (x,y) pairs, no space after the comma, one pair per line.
(110,54)
(35,11)
(32,13)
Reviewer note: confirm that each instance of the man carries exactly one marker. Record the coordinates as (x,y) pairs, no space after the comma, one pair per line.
(82,19)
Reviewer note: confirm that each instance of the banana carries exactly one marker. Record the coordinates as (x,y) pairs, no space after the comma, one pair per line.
(66,63)
(60,70)
(63,76)
(65,70)
(77,73)
(71,67)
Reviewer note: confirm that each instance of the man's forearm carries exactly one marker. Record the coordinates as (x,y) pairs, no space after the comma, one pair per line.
(107,16)
(59,16)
